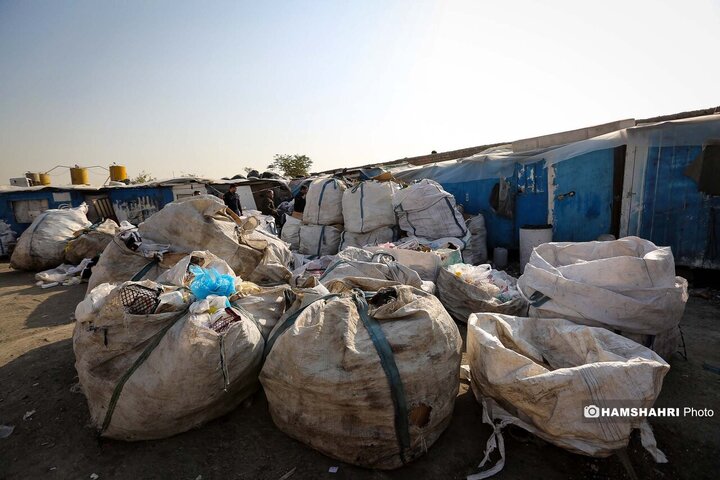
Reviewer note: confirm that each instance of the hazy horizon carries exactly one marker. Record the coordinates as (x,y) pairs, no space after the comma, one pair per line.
(183,87)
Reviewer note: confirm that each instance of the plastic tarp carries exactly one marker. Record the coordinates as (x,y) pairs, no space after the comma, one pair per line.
(424,209)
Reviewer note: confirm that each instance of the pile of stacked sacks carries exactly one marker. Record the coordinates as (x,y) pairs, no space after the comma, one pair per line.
(322,219)
(368,317)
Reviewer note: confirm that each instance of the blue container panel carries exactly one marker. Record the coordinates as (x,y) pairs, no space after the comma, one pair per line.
(135,205)
(583,197)
(675,213)
(531,202)
(6,204)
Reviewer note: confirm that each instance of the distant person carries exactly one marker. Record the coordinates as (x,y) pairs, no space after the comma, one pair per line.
(267,206)
(232,200)
(299,206)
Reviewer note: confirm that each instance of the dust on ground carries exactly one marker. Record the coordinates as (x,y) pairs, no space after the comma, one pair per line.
(37,373)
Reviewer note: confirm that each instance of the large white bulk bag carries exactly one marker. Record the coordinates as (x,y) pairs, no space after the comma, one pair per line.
(91,243)
(368,270)
(319,240)
(42,245)
(627,285)
(323,202)
(368,206)
(372,385)
(291,232)
(475,252)
(200,223)
(542,374)
(151,375)
(376,237)
(425,210)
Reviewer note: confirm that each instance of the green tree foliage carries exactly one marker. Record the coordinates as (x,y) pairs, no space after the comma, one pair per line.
(143,177)
(291,165)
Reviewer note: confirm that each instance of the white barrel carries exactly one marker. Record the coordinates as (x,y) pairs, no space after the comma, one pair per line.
(500,256)
(530,237)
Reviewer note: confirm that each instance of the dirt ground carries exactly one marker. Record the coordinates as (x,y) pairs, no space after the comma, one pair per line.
(37,374)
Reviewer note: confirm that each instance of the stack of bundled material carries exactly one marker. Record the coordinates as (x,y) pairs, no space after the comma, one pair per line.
(475,252)
(154,360)
(627,286)
(401,346)
(42,245)
(551,377)
(368,214)
(90,242)
(196,223)
(359,268)
(322,218)
(291,232)
(8,239)
(425,210)
(465,289)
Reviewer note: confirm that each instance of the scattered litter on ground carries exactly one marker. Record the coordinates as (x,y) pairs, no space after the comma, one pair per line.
(28,414)
(333,469)
(6,430)
(288,474)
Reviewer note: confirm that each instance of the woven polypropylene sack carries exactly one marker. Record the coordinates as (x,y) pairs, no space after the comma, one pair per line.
(626,285)
(42,245)
(475,252)
(462,299)
(368,206)
(291,232)
(193,374)
(376,237)
(319,240)
(91,243)
(539,374)
(425,210)
(323,202)
(202,223)
(311,376)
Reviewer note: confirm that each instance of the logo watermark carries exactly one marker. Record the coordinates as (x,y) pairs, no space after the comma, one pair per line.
(619,412)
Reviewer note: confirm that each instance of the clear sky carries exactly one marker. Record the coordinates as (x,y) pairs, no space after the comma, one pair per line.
(208,88)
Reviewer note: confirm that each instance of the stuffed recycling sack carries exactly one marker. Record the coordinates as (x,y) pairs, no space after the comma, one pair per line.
(319,240)
(197,223)
(153,362)
(375,237)
(539,374)
(627,285)
(368,206)
(400,346)
(91,242)
(465,289)
(323,202)
(425,210)
(475,252)
(42,245)
(367,270)
(291,232)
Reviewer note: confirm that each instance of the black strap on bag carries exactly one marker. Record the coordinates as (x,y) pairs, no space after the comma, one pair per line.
(387,360)
(154,342)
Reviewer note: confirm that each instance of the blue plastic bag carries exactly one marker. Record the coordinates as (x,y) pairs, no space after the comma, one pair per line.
(210,282)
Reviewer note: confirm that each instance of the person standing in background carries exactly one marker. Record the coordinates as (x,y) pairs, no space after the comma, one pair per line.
(267,206)
(232,200)
(299,206)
